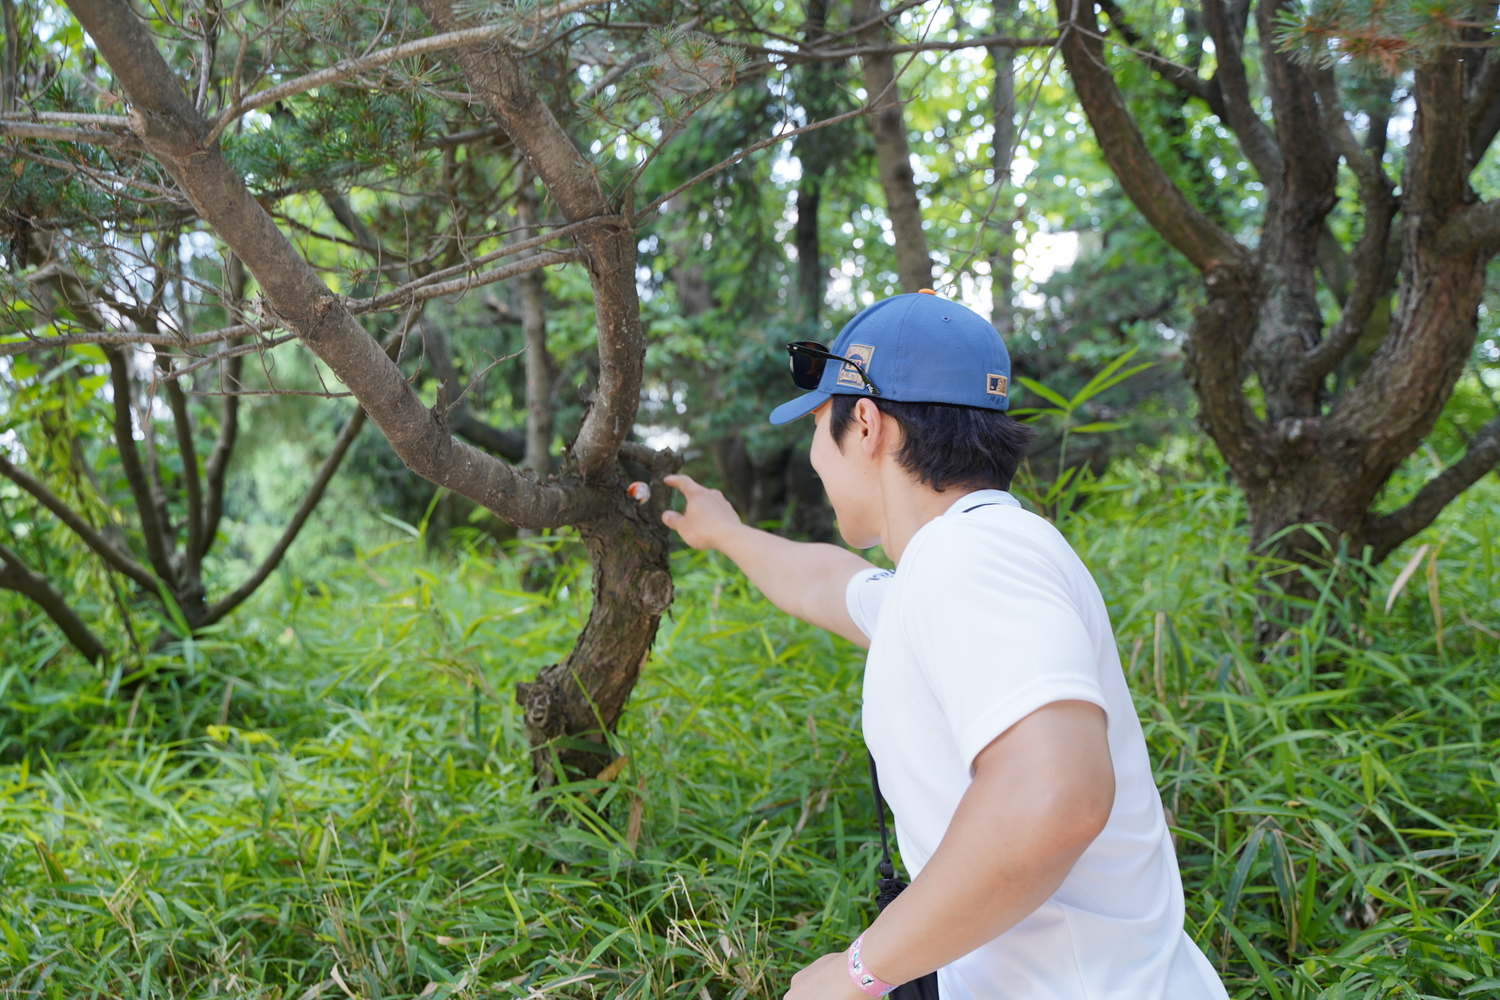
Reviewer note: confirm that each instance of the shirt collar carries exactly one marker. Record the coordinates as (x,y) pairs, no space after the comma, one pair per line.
(977,497)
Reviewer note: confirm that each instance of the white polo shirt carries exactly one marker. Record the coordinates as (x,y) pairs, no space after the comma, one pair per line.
(990,617)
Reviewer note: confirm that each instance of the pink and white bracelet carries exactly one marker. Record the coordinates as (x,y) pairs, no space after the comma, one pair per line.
(865,980)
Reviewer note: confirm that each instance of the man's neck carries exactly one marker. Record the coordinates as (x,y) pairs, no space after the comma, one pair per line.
(909,505)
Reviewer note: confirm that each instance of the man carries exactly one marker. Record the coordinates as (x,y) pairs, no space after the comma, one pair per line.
(994,703)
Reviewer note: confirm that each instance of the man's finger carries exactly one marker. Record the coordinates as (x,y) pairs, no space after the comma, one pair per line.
(683,483)
(671,518)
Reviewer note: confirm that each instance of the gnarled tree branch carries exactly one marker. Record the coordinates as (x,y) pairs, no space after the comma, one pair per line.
(1388,532)
(165,119)
(1165,207)
(1255,139)
(1368,278)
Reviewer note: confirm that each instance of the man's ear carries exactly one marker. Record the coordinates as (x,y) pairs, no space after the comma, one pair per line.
(871,426)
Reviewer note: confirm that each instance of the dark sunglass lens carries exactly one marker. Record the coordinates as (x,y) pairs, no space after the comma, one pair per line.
(807,370)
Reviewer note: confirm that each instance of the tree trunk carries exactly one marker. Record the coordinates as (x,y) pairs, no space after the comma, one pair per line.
(888,125)
(1002,260)
(1314,466)
(574,704)
(582,697)
(809,249)
(813,93)
(10,57)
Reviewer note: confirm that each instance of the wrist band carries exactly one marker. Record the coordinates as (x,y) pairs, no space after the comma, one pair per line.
(865,980)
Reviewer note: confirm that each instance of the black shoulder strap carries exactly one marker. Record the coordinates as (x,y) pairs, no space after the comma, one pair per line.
(992,503)
(888,886)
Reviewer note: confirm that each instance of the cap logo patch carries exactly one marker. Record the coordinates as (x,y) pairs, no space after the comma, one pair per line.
(848,374)
(996,385)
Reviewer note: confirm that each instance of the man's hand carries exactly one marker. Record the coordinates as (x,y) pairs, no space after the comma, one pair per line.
(708,516)
(803,579)
(826,979)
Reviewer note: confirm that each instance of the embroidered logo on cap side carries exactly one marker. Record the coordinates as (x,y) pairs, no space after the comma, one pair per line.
(996,385)
(848,374)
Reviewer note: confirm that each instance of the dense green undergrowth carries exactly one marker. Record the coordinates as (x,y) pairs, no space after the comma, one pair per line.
(330,796)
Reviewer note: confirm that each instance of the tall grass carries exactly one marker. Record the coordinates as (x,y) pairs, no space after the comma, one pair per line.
(331,798)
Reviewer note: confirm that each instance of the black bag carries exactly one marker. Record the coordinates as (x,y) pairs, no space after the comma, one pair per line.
(888,887)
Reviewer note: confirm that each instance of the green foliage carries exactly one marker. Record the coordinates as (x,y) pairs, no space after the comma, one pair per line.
(1379,36)
(1059,497)
(358,802)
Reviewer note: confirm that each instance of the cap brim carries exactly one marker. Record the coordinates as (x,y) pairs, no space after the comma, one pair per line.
(799,407)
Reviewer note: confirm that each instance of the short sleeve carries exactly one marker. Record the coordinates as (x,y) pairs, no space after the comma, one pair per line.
(997,630)
(864,596)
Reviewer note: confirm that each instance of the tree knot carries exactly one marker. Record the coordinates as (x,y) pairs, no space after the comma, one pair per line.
(656,591)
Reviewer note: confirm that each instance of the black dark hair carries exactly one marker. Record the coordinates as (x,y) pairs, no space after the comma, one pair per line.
(946,445)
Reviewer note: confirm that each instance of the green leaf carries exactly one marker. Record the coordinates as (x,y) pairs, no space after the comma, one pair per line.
(1098,427)
(1242,871)
(1256,962)
(1050,395)
(53,870)
(1285,878)
(1108,377)
(396,522)
(14,946)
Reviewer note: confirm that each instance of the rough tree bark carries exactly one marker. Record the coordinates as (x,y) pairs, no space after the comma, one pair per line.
(580,698)
(888,125)
(1002,263)
(1313,457)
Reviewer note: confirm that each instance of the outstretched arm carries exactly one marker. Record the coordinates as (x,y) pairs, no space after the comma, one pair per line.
(805,579)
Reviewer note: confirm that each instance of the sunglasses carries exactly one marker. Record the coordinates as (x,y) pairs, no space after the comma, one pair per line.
(808,359)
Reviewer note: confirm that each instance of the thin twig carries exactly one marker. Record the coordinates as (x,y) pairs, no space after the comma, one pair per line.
(273,392)
(476,377)
(112,121)
(346,68)
(832,55)
(730,161)
(419,290)
(57,133)
(10,348)
(174,197)
(256,347)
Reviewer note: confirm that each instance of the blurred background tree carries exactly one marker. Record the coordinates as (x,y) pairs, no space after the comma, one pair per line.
(386,177)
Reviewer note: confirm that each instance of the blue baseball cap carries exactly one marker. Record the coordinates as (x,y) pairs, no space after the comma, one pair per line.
(916,348)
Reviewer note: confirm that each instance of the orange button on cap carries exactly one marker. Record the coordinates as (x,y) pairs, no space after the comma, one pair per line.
(926,291)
